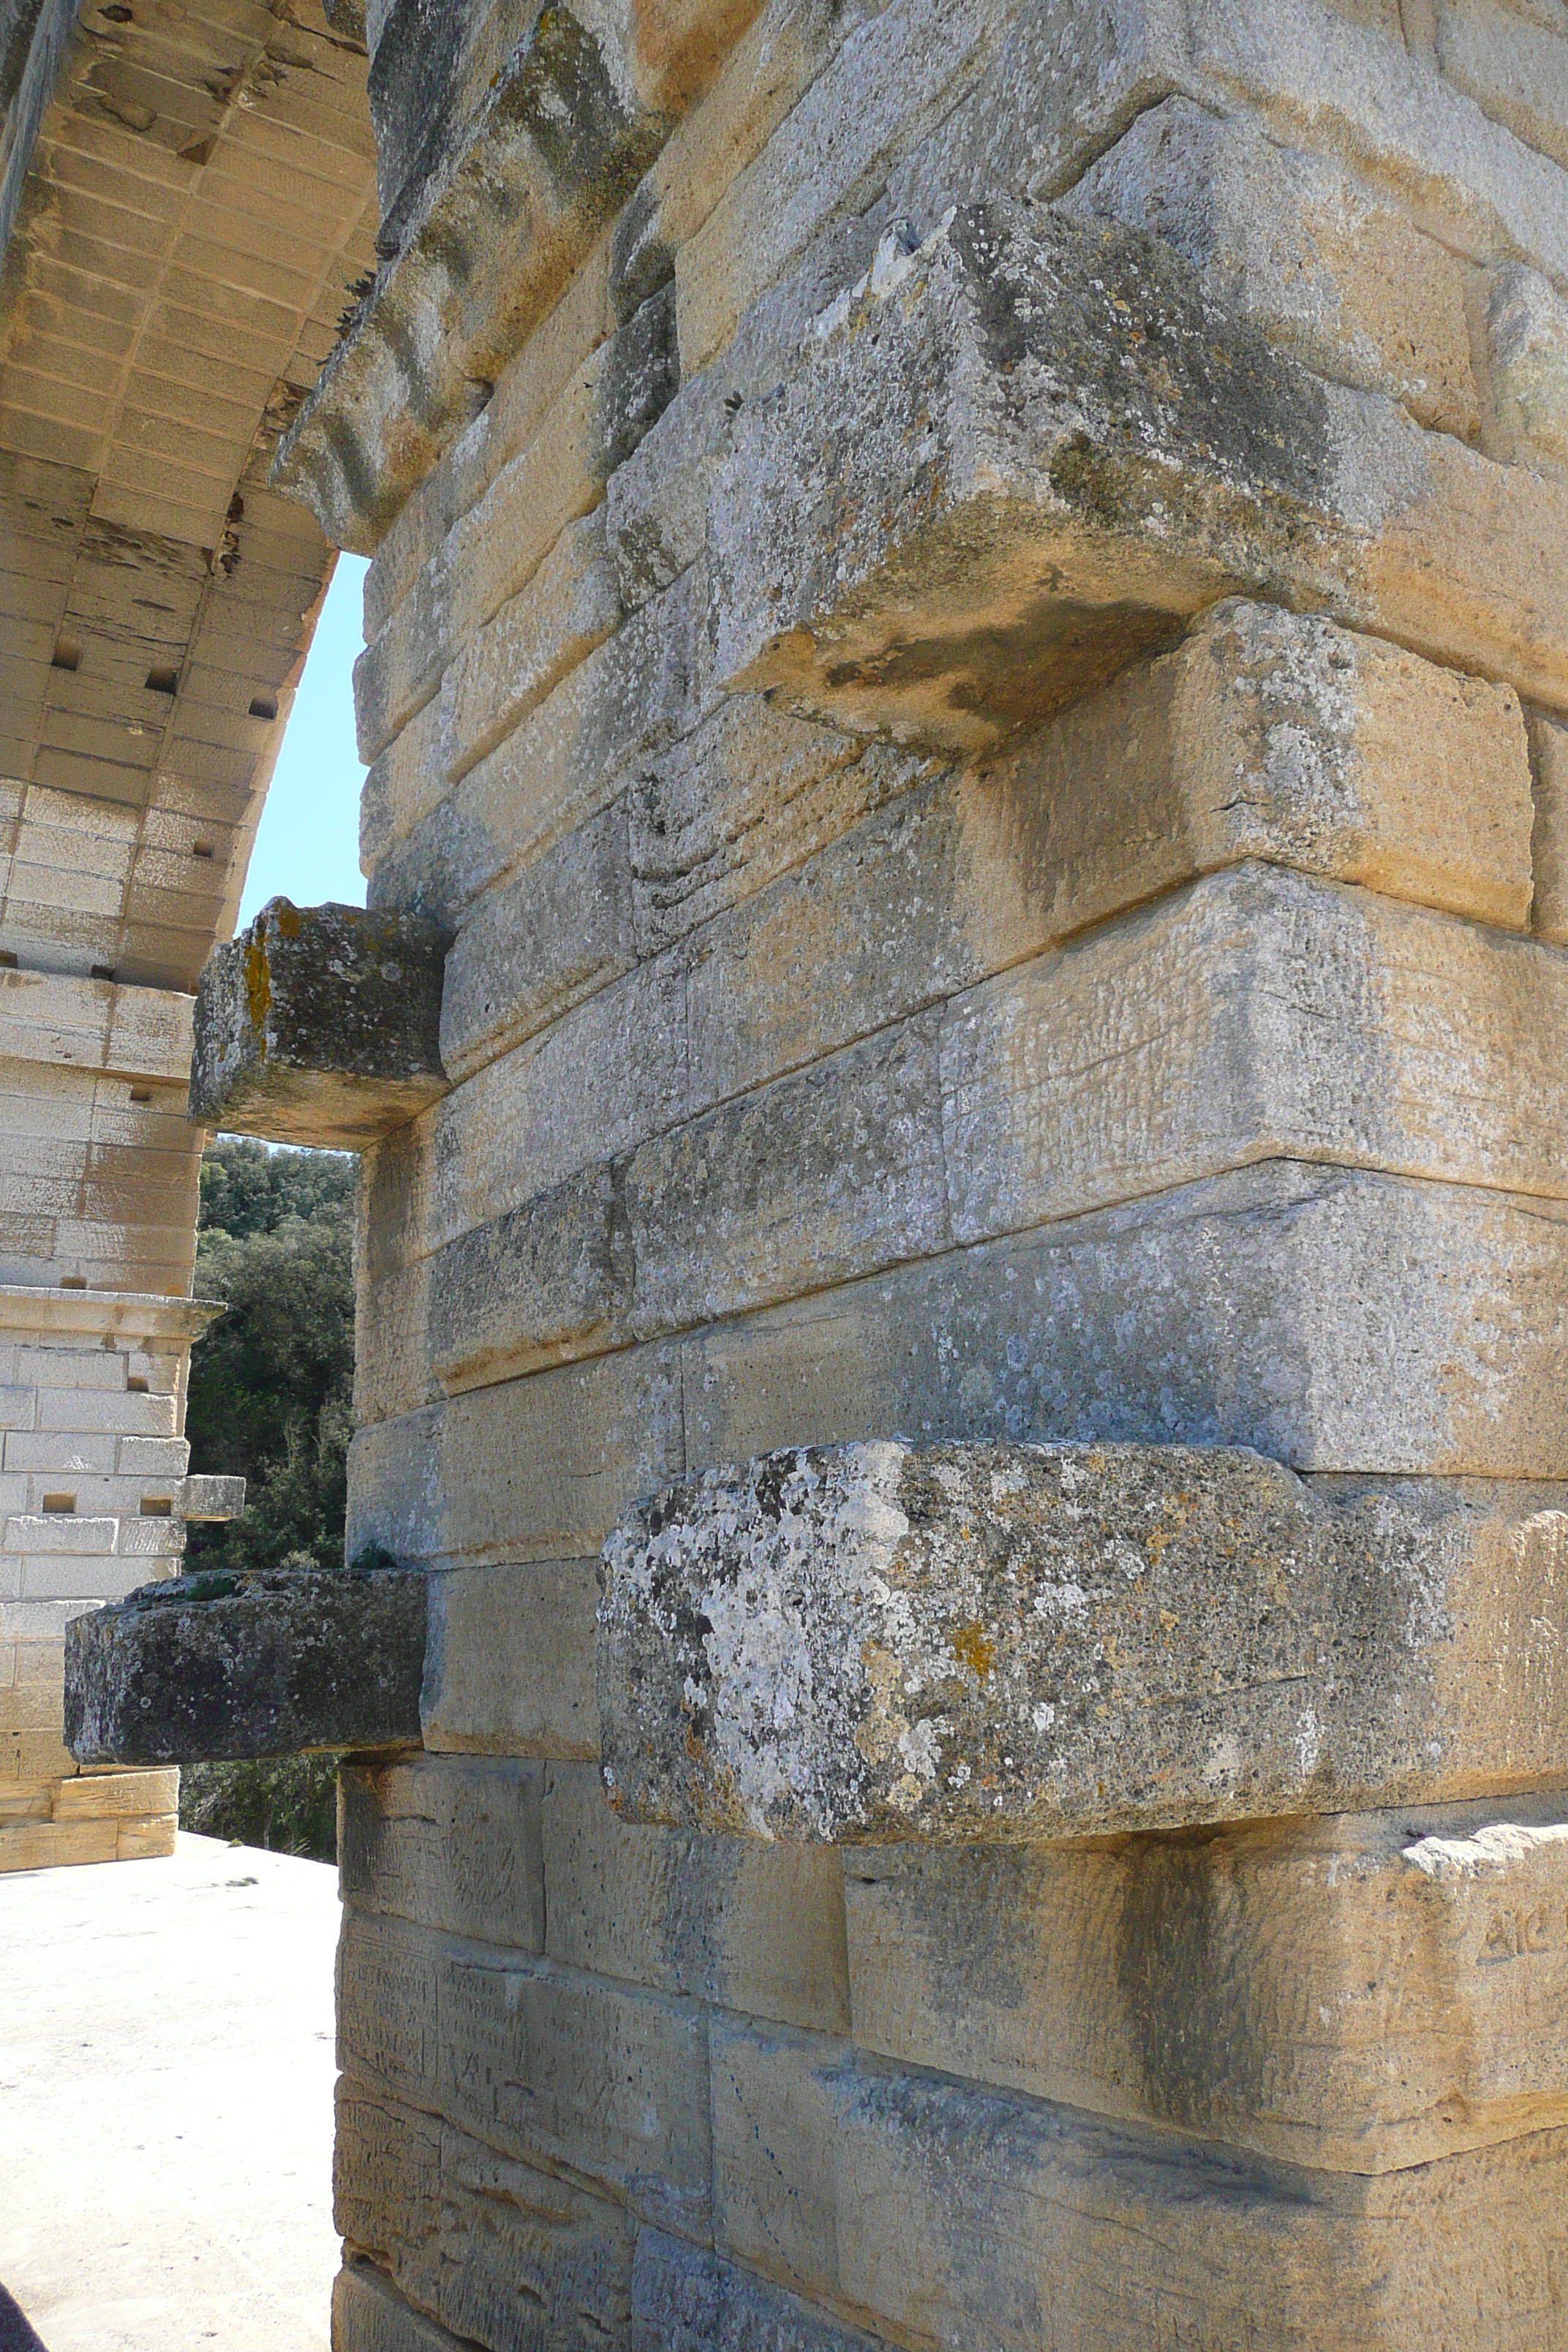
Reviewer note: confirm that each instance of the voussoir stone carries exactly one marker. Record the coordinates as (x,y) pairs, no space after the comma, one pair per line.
(226,1666)
(872,1642)
(320,1025)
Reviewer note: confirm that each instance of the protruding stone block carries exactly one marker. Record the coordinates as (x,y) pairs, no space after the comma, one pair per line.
(320,1025)
(995,1641)
(220,1665)
(207,1496)
(1012,459)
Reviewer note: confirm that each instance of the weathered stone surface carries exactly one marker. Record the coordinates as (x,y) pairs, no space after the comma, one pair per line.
(269,1662)
(952,2214)
(1211,1315)
(1359,1994)
(747,1926)
(1513,61)
(320,1025)
(551,2065)
(1255,1015)
(370,2315)
(1527,335)
(686,2299)
(1266,734)
(452,1845)
(533,946)
(504,2255)
(1549,742)
(1323,265)
(509,1660)
(812,1180)
(876,1642)
(534,1469)
(558,138)
(1061,451)
(563,764)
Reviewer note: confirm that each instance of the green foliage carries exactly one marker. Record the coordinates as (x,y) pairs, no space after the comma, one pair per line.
(288,1805)
(271,1399)
(272,1383)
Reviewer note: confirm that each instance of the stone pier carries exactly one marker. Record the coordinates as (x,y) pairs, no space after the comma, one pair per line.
(966,674)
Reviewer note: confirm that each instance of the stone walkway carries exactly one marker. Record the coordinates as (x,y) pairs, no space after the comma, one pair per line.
(166,2071)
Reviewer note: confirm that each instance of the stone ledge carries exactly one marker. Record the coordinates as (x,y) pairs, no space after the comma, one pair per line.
(1012,459)
(980,1641)
(133,1314)
(223,1668)
(320,1025)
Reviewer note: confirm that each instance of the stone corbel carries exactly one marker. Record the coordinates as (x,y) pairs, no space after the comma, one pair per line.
(1026,449)
(320,1025)
(995,1641)
(224,1666)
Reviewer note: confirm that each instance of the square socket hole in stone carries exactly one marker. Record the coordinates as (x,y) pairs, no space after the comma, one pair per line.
(57,1504)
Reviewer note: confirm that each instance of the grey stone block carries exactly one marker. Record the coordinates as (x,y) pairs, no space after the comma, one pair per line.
(995,1642)
(225,1665)
(688,2299)
(320,1025)
(1010,460)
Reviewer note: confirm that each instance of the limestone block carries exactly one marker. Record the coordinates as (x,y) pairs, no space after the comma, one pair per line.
(517,591)
(95,1795)
(504,2255)
(205,1495)
(896,73)
(509,1660)
(1266,734)
(320,1025)
(1351,1994)
(995,1642)
(818,1178)
(686,2298)
(533,946)
(1060,90)
(1002,459)
(146,1837)
(369,2315)
(609,1073)
(951,2214)
(752,793)
(1527,339)
(1289,240)
(1309,72)
(541,2062)
(768,71)
(1549,745)
(46,1845)
(525,389)
(536,1469)
(567,761)
(265,1663)
(467,284)
(1309,1021)
(498,669)
(1513,63)
(1211,1315)
(749,1927)
(541,1283)
(1357,760)
(446,1844)
(35,1755)
(94,1025)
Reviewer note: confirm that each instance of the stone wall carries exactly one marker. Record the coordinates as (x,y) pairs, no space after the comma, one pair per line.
(997,788)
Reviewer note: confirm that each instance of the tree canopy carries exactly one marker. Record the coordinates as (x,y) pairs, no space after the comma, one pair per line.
(272,1392)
